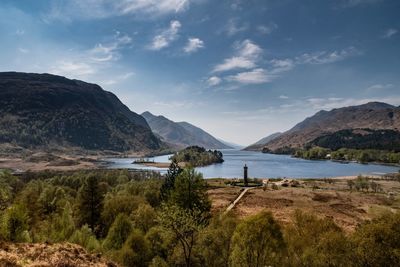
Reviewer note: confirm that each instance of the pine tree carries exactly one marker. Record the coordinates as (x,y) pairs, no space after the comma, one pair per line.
(169,182)
(90,203)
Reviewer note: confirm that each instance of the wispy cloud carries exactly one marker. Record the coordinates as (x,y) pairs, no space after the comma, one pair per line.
(255,76)
(283,97)
(324,57)
(117,79)
(109,51)
(192,45)
(214,80)
(389,33)
(267,29)
(378,87)
(234,26)
(69,10)
(87,63)
(247,54)
(167,36)
(73,69)
(354,3)
(282,65)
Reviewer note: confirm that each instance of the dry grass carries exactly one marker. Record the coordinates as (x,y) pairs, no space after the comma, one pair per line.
(64,254)
(321,197)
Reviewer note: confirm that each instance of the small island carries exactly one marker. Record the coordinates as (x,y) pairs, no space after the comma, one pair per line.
(198,156)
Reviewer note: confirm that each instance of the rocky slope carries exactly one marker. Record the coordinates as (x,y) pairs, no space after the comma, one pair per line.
(48,111)
(373,115)
(181,134)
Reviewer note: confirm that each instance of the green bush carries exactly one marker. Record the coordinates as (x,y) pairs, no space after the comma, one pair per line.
(257,241)
(85,238)
(135,251)
(377,242)
(118,233)
(15,224)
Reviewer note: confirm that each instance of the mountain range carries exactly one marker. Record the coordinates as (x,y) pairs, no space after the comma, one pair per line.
(181,134)
(372,116)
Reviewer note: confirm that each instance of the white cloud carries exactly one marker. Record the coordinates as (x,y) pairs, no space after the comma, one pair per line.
(109,51)
(246,56)
(282,65)
(283,97)
(235,63)
(267,29)
(152,6)
(214,80)
(117,79)
(193,44)
(233,27)
(324,57)
(389,33)
(167,36)
(379,87)
(354,3)
(98,9)
(256,76)
(73,69)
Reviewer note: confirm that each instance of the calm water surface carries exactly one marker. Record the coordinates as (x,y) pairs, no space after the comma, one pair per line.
(267,165)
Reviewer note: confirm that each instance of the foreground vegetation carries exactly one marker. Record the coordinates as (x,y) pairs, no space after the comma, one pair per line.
(198,156)
(139,219)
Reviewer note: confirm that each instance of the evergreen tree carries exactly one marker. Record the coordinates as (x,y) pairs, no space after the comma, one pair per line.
(90,203)
(169,182)
(190,191)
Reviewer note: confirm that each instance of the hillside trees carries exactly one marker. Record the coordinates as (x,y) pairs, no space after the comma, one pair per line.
(257,241)
(90,203)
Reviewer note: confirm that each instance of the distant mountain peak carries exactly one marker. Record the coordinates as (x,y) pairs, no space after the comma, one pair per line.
(371,115)
(181,134)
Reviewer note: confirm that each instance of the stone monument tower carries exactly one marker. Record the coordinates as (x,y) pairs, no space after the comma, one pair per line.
(245,175)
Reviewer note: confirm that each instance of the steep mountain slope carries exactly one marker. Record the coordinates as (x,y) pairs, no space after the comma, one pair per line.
(258,146)
(48,111)
(230,144)
(373,115)
(181,134)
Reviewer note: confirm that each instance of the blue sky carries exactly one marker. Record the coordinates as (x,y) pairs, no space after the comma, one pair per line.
(240,69)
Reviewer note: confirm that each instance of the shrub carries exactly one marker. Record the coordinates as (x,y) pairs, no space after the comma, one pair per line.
(257,241)
(377,243)
(135,251)
(118,233)
(15,224)
(85,238)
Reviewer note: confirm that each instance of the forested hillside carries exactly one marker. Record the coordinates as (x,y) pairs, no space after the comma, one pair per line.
(43,111)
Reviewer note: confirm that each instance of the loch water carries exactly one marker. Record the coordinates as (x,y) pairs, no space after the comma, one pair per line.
(263,165)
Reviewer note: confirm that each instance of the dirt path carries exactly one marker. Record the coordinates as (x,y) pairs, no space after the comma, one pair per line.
(232,205)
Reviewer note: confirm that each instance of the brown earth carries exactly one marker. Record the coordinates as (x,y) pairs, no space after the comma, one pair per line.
(323,198)
(47,255)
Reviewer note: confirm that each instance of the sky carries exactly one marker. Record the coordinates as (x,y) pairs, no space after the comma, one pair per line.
(239,69)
